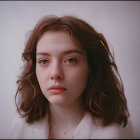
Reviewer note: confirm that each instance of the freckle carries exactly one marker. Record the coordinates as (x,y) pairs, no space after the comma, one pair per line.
(64,133)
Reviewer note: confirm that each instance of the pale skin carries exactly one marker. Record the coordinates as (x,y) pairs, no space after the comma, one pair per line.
(63,63)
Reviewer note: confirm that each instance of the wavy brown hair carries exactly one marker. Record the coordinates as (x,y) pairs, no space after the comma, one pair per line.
(104,95)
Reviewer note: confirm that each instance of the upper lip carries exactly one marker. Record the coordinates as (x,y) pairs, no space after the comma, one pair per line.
(57,87)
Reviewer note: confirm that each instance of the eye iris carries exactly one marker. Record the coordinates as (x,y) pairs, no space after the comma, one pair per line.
(71,60)
(44,61)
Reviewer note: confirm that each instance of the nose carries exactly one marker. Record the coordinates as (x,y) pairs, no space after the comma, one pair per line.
(56,72)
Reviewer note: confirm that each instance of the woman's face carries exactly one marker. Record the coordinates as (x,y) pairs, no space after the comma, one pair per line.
(61,68)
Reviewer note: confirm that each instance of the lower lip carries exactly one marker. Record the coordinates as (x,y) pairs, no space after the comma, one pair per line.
(56,90)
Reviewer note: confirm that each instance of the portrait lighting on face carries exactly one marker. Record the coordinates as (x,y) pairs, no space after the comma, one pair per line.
(62,67)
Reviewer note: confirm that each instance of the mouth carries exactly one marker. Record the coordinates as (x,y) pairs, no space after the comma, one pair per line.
(56,89)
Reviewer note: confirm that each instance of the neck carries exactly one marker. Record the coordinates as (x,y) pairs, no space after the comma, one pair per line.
(66,115)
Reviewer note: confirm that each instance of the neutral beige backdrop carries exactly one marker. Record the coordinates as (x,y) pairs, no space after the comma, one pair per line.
(118,21)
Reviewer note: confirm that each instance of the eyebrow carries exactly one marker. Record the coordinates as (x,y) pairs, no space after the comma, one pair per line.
(65,52)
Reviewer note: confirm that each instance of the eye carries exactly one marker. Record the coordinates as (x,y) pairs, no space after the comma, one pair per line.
(71,60)
(43,61)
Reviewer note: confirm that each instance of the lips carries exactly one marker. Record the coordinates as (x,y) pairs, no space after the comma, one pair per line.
(57,89)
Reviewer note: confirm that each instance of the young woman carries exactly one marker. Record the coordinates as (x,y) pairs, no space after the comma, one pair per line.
(70,86)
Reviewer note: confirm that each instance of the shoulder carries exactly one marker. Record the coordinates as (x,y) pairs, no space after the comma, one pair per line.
(20,129)
(112,131)
(94,130)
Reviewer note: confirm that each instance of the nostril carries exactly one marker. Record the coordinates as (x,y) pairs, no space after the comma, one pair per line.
(57,77)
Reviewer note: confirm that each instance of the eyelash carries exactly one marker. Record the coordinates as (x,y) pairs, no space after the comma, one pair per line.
(69,61)
(73,60)
(42,61)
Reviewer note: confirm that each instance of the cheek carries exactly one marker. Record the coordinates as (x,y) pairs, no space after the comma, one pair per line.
(42,76)
(78,78)
(38,75)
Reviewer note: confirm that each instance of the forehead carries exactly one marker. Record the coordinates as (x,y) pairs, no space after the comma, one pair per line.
(58,41)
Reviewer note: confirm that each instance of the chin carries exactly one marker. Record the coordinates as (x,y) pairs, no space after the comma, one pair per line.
(57,100)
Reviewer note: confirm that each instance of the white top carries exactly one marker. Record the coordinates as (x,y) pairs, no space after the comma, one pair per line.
(85,130)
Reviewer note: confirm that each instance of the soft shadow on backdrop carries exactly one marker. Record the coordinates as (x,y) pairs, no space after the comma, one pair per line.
(118,20)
